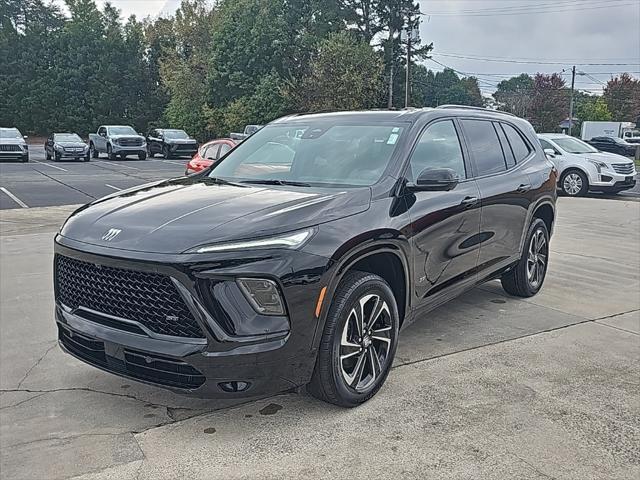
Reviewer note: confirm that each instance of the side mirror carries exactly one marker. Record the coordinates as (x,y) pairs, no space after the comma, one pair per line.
(550,152)
(103,134)
(25,137)
(435,179)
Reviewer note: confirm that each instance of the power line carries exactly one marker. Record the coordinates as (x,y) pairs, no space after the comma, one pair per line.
(565,3)
(504,60)
(531,11)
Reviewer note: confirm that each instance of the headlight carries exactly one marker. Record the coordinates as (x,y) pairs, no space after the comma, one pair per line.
(289,240)
(599,165)
(115,141)
(263,295)
(58,147)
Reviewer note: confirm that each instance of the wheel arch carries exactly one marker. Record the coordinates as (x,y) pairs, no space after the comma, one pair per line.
(386,259)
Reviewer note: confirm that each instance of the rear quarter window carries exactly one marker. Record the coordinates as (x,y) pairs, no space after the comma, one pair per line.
(519,147)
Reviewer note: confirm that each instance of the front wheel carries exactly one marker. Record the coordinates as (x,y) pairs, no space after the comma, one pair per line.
(110,154)
(47,155)
(94,152)
(166,153)
(359,341)
(574,183)
(142,156)
(527,276)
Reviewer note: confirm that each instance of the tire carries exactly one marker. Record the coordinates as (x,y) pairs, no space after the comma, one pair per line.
(25,158)
(110,154)
(56,157)
(47,155)
(142,156)
(574,183)
(330,380)
(94,152)
(521,281)
(165,152)
(87,158)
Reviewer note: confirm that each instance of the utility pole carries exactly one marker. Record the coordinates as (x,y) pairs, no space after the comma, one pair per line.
(407,83)
(391,41)
(573,81)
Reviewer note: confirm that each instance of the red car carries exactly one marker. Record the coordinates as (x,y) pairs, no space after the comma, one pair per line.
(209,153)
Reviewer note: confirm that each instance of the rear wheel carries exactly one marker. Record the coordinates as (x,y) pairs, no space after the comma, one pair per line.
(574,183)
(358,343)
(527,277)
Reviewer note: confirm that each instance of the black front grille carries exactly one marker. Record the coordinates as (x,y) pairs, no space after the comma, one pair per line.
(130,142)
(151,368)
(148,298)
(623,168)
(186,147)
(10,148)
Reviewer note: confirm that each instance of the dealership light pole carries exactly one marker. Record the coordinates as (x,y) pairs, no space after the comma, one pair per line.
(573,81)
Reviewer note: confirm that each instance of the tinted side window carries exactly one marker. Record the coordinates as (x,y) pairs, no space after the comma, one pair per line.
(485,146)
(438,147)
(520,148)
(211,153)
(506,149)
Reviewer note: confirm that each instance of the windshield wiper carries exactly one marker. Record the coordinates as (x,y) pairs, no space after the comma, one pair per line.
(219,181)
(277,182)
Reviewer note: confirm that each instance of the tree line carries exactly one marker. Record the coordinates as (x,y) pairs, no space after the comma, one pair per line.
(213,68)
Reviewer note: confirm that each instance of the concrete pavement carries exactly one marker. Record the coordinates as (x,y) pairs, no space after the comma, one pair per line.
(487,386)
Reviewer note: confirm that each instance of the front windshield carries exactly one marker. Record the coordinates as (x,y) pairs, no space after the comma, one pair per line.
(67,137)
(10,133)
(573,145)
(315,153)
(176,134)
(122,131)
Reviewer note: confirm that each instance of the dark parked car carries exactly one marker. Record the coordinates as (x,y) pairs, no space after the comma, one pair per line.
(62,146)
(250,278)
(170,143)
(613,145)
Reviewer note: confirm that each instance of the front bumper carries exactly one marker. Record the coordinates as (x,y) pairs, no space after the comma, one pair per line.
(610,180)
(183,150)
(14,155)
(72,154)
(129,150)
(231,355)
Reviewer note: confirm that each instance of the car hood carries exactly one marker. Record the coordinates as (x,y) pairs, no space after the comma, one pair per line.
(114,137)
(71,144)
(606,157)
(175,215)
(12,141)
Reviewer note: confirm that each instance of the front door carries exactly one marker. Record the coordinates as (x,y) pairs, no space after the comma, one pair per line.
(445,225)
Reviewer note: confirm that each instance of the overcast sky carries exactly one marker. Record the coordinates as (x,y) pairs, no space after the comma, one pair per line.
(565,32)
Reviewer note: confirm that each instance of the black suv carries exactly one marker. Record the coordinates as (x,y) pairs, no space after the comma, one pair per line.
(170,142)
(613,145)
(258,276)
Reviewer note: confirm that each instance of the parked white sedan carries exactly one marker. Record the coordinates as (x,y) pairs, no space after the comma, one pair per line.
(583,168)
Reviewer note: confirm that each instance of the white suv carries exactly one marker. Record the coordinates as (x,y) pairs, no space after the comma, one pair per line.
(583,168)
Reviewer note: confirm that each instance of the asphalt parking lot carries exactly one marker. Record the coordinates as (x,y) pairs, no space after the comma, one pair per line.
(43,183)
(488,386)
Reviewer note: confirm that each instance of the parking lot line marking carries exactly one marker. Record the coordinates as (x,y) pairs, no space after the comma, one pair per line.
(175,163)
(119,165)
(52,166)
(14,198)
(111,186)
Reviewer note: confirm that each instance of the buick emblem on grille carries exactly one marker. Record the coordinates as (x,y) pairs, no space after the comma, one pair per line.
(111,234)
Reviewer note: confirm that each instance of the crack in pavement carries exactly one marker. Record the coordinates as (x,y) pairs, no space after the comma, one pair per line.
(36,364)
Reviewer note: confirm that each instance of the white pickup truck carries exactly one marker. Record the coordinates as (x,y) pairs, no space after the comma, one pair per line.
(117,140)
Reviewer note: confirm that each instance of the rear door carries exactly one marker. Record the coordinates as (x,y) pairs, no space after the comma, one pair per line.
(499,151)
(444,224)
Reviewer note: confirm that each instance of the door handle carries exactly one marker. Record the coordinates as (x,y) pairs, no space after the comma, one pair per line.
(523,188)
(469,202)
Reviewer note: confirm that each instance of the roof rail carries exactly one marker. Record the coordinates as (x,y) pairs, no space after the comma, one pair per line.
(469,107)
